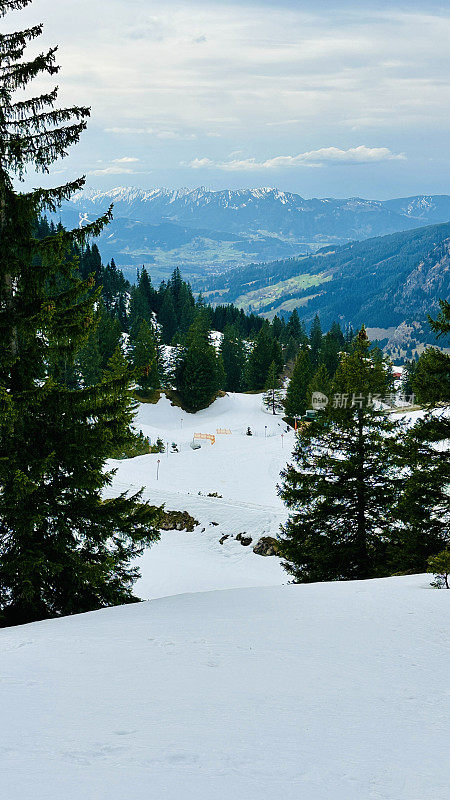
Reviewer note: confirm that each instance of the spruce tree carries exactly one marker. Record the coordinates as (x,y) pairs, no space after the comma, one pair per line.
(408,378)
(167,317)
(296,400)
(109,335)
(138,312)
(89,361)
(315,340)
(431,381)
(145,358)
(63,549)
(198,373)
(320,383)
(331,347)
(291,350)
(233,356)
(421,515)
(272,398)
(260,359)
(344,480)
(294,328)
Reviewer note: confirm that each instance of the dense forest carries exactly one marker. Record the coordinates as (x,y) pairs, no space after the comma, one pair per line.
(166,336)
(379,282)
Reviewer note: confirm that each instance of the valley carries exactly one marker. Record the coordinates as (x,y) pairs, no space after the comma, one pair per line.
(205,232)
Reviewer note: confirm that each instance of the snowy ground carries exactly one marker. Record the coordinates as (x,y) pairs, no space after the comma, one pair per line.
(276,692)
(319,691)
(243,469)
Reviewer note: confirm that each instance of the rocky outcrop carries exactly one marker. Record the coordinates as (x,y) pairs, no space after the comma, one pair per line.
(177,521)
(267,546)
(244,539)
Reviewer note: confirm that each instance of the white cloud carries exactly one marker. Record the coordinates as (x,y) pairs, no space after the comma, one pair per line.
(198,163)
(247,75)
(312,158)
(125,160)
(126,131)
(114,169)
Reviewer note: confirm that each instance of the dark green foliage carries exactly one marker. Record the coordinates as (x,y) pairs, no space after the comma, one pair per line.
(343,484)
(333,344)
(291,350)
(145,359)
(440,566)
(109,335)
(320,383)
(260,359)
(233,357)
(297,392)
(63,548)
(272,397)
(315,341)
(422,512)
(158,447)
(167,317)
(431,382)
(372,281)
(408,378)
(139,445)
(89,361)
(198,374)
(367,496)
(294,327)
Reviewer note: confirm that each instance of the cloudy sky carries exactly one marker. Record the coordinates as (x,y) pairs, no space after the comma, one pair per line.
(321,98)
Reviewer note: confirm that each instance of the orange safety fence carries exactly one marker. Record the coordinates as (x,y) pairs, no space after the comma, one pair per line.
(209,436)
(223,430)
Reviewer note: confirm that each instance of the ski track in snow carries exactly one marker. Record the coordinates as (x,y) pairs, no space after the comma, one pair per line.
(243,469)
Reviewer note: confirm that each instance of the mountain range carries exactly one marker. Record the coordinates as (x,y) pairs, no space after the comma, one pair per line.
(208,232)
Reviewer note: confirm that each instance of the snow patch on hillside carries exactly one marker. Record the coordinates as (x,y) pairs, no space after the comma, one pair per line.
(243,470)
(319,691)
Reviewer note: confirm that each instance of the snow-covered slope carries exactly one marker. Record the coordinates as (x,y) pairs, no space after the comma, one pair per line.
(317,692)
(243,469)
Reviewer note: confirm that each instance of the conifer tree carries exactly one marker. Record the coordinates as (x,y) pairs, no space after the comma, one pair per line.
(89,361)
(291,350)
(408,378)
(148,293)
(272,398)
(320,383)
(109,335)
(333,343)
(63,549)
(198,373)
(139,311)
(315,340)
(297,391)
(294,328)
(145,358)
(233,356)
(345,480)
(421,515)
(260,359)
(431,381)
(167,317)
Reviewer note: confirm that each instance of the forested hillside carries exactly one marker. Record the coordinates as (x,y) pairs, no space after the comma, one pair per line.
(380,282)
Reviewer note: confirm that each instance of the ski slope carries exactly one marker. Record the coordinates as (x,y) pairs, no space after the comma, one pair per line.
(317,691)
(243,469)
